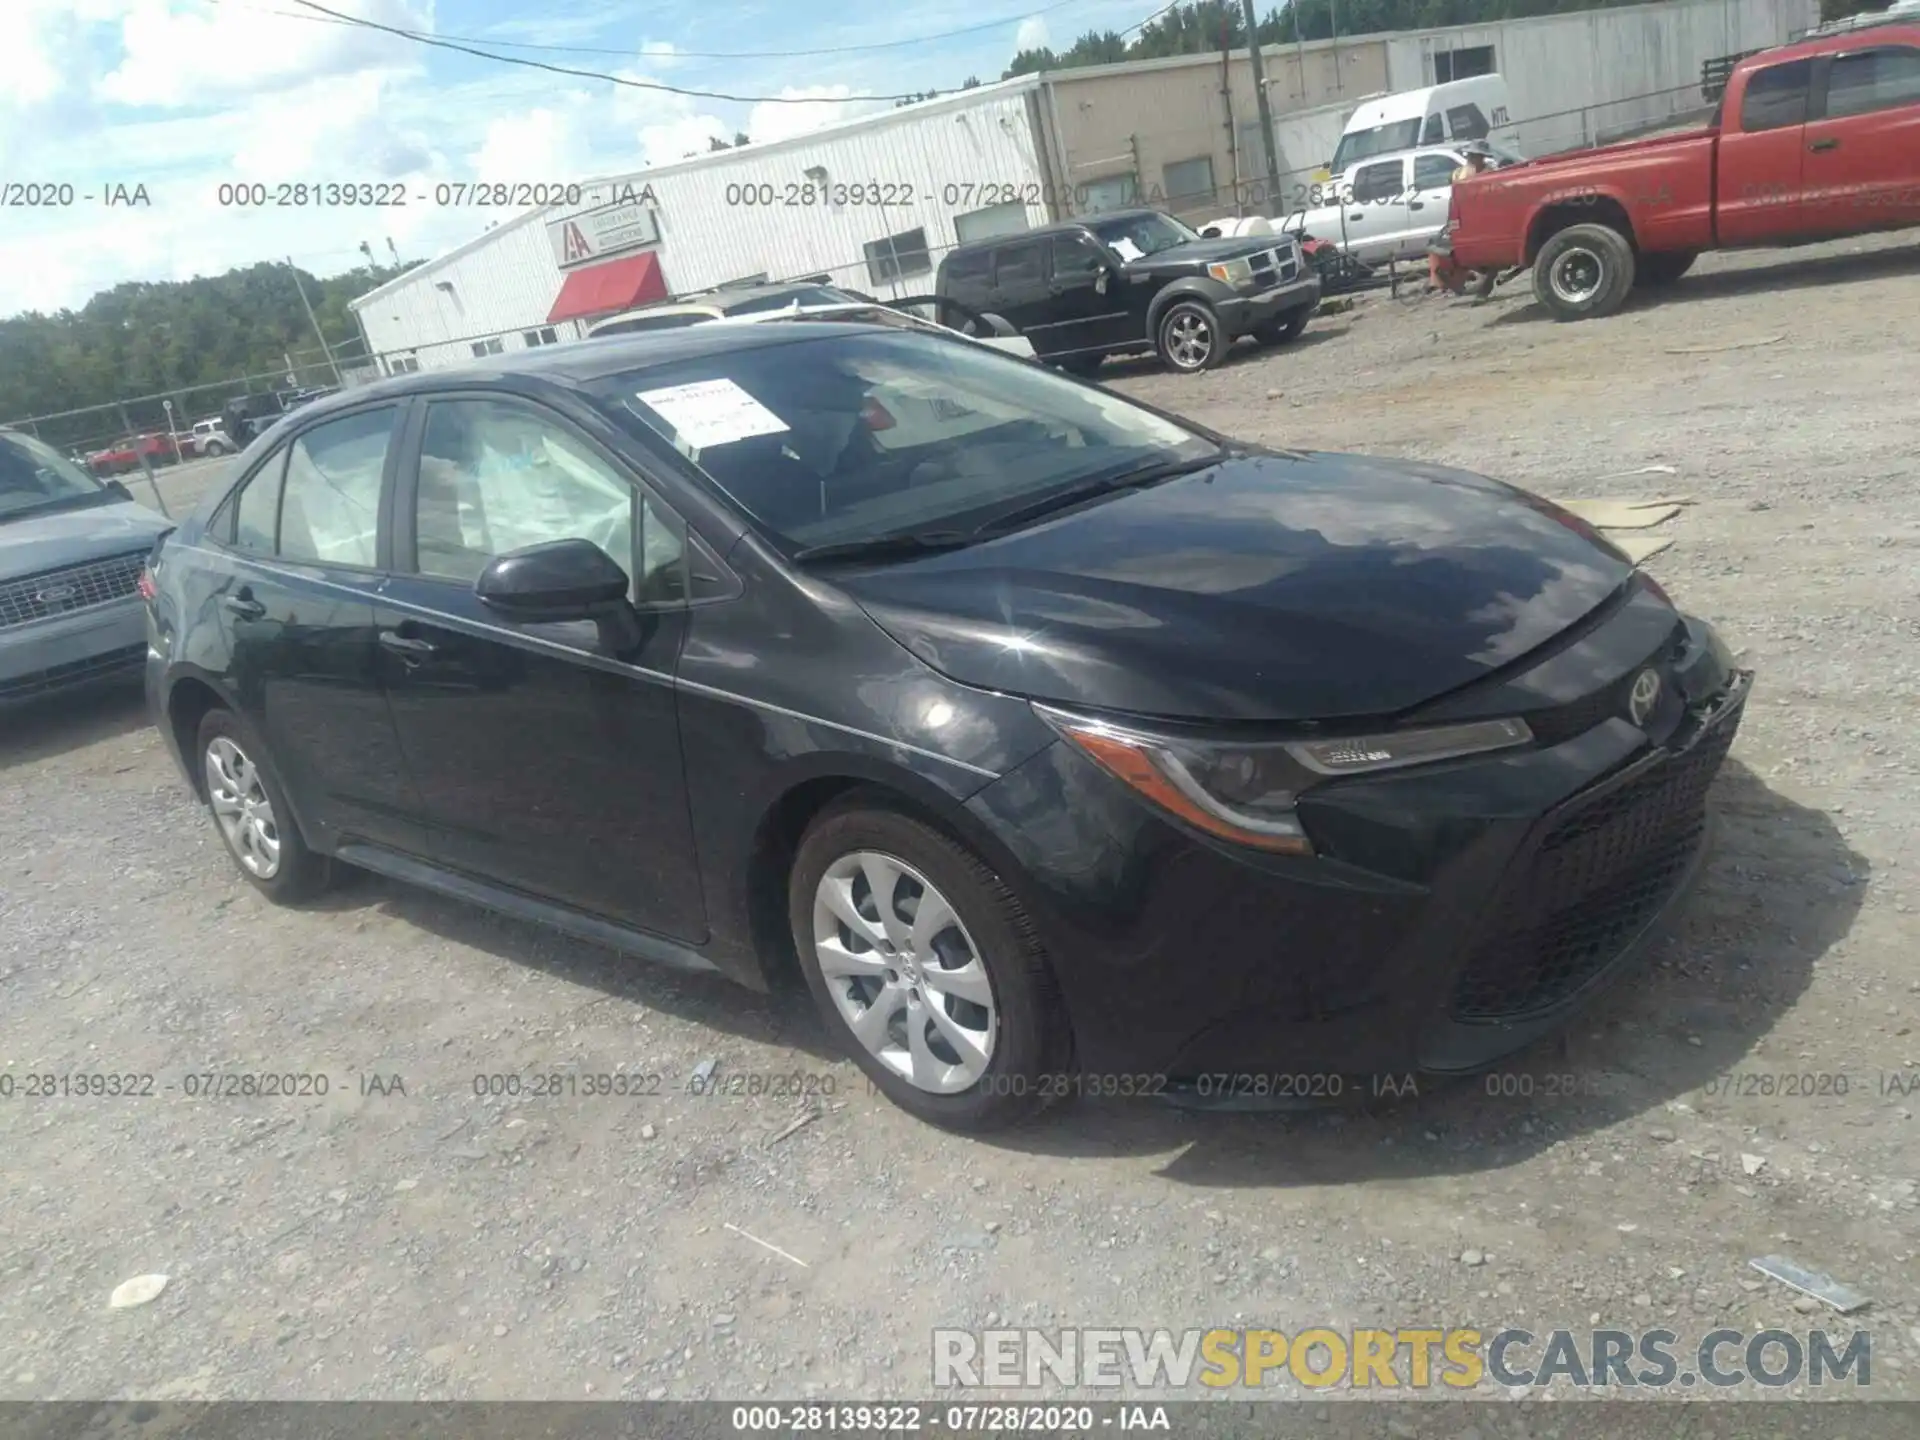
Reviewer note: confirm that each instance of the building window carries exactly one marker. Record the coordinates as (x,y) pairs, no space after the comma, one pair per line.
(545,335)
(1189,180)
(898,256)
(488,347)
(1115,192)
(1007,219)
(1462,64)
(403,364)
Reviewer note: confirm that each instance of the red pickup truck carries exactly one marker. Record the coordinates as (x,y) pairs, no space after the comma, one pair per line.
(1812,141)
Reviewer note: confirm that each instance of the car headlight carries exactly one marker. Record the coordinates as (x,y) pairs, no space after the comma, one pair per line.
(1246,792)
(1232,272)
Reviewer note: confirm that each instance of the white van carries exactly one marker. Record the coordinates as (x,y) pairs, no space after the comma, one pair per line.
(1453,113)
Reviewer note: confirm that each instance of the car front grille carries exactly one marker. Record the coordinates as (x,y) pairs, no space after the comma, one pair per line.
(1602,869)
(70,588)
(1576,717)
(74,672)
(1275,267)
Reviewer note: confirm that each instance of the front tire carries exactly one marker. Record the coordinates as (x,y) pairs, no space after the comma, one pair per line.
(213,448)
(251,814)
(926,968)
(1189,337)
(1583,272)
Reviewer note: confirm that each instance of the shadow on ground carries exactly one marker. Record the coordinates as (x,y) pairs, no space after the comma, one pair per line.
(1788,272)
(47,727)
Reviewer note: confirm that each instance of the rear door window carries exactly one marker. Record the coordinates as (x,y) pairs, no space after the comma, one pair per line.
(1776,96)
(1885,78)
(257,513)
(1434,172)
(330,501)
(1018,267)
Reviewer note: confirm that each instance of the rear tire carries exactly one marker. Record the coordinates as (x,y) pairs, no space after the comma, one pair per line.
(1282,328)
(251,813)
(1663,267)
(957,1019)
(1583,272)
(1189,337)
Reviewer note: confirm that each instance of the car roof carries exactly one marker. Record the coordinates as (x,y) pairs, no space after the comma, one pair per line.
(580,362)
(1057,227)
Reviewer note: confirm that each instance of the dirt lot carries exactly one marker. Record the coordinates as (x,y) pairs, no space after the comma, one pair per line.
(427,1243)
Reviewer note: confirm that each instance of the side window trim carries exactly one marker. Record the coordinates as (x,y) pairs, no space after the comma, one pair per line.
(405,530)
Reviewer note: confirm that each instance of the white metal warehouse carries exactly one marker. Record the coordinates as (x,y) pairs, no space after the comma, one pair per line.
(929,176)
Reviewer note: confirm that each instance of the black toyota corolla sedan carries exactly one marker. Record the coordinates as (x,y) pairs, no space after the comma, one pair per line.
(1061,744)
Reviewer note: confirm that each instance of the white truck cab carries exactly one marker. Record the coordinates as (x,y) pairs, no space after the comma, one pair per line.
(1453,113)
(1389,207)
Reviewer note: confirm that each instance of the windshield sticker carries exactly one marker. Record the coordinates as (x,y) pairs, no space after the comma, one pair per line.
(1125,248)
(711,412)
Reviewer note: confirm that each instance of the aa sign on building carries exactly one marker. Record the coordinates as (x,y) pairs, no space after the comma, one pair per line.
(627,224)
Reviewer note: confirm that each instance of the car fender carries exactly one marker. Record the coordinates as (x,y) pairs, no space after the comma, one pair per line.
(1601,203)
(1187,287)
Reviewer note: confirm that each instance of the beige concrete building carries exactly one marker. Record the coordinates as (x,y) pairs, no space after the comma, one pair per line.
(1179,133)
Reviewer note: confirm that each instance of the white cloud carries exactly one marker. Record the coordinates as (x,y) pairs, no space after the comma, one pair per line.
(547,143)
(181,52)
(825,105)
(1032,35)
(661,54)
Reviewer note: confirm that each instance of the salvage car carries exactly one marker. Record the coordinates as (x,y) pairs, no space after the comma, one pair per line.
(71,550)
(1087,742)
(1813,141)
(1132,282)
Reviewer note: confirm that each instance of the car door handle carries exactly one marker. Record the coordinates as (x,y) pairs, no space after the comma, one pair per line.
(243,606)
(1416,205)
(1358,215)
(410,647)
(1828,144)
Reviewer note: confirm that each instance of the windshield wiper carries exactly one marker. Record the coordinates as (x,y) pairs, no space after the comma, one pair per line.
(881,547)
(1148,474)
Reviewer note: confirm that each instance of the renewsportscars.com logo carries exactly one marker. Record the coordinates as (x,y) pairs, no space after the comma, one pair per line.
(1400,1359)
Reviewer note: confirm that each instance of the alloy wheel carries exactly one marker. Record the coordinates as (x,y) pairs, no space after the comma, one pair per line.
(903,972)
(1189,339)
(242,809)
(1577,276)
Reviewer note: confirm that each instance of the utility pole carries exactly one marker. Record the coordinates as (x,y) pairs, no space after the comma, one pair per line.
(1260,101)
(1226,94)
(332,364)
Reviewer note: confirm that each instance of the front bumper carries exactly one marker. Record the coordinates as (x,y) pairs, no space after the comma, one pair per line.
(1243,314)
(100,645)
(1453,915)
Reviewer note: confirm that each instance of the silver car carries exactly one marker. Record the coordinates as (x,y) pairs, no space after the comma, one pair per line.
(72,548)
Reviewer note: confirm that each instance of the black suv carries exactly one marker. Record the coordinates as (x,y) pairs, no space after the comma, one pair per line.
(1133,281)
(249,416)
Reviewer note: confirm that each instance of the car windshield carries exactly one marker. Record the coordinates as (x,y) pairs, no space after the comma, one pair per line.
(809,295)
(1379,140)
(35,476)
(864,436)
(1131,236)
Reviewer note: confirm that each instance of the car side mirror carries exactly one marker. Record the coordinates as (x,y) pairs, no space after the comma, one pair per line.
(117,489)
(562,580)
(1212,232)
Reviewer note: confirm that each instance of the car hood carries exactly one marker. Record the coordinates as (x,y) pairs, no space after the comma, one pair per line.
(1205,252)
(1267,587)
(30,544)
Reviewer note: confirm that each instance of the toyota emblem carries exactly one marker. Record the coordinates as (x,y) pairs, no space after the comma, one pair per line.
(1643,697)
(56,594)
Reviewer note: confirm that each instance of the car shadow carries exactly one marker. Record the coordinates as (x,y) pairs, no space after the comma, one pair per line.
(1319,332)
(40,729)
(786,1017)
(1781,886)
(1785,273)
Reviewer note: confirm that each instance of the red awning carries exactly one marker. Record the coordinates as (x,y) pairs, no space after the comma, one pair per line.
(609,286)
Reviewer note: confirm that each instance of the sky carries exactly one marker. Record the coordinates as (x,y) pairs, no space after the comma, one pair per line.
(183,96)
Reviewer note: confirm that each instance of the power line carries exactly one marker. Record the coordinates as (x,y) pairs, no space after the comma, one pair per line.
(676,53)
(654,85)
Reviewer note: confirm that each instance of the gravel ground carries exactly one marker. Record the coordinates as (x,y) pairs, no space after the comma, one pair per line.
(403,1237)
